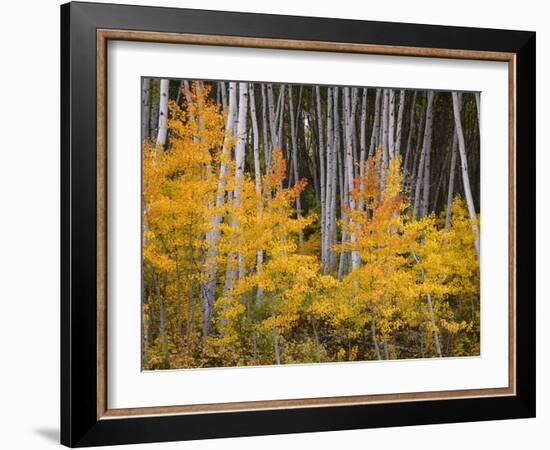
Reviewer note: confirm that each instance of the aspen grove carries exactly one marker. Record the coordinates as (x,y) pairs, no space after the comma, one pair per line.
(304,224)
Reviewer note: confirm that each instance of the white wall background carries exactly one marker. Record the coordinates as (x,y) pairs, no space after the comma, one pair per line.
(29,225)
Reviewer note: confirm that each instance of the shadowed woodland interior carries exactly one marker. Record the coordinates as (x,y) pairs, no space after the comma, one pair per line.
(301,224)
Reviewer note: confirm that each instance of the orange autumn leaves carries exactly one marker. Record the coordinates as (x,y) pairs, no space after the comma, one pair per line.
(280,291)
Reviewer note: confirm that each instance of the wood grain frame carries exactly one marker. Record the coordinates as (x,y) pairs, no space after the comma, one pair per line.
(86,416)
(105,35)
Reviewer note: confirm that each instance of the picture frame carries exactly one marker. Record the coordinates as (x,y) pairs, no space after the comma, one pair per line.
(86,418)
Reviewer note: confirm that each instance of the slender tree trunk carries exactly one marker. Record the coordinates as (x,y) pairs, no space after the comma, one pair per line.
(257,177)
(154,117)
(450,191)
(430,309)
(239,176)
(274,331)
(451,187)
(427,158)
(339,163)
(294,142)
(385,126)
(145,108)
(391,123)
(354,97)
(418,146)
(376,123)
(272,126)
(465,175)
(162,325)
(355,260)
(342,187)
(322,180)
(421,164)
(478,109)
(223,95)
(399,122)
(329,211)
(208,287)
(265,139)
(190,325)
(180,91)
(280,113)
(316,340)
(375,339)
(145,329)
(363,146)
(163,112)
(179,326)
(406,172)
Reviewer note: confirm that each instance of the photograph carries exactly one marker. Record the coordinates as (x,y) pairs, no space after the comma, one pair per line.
(304,224)
(281,223)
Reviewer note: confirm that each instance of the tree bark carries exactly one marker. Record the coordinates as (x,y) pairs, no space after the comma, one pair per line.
(274,331)
(430,309)
(409,141)
(465,175)
(145,108)
(322,180)
(363,146)
(294,143)
(330,181)
(391,123)
(376,123)
(240,146)
(163,113)
(427,160)
(257,177)
(399,122)
(208,287)
(162,324)
(355,260)
(385,135)
(451,187)
(421,164)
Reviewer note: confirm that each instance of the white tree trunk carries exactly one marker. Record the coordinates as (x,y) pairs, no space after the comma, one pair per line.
(418,148)
(336,157)
(451,187)
(208,286)
(363,146)
(465,175)
(376,123)
(409,140)
(145,108)
(348,116)
(391,123)
(294,142)
(163,113)
(223,95)
(421,164)
(427,160)
(240,146)
(257,176)
(354,97)
(322,180)
(281,114)
(399,122)
(329,180)
(271,111)
(450,190)
(385,136)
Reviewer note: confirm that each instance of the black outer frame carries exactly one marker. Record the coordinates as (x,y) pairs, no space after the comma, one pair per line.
(79,424)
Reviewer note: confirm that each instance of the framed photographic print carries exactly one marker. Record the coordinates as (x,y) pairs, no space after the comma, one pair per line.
(276,224)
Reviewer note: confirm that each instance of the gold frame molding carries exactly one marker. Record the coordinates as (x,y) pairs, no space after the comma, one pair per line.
(103,36)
